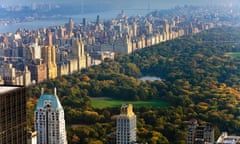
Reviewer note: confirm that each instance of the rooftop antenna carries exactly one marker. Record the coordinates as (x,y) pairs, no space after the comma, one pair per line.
(55,91)
(42,91)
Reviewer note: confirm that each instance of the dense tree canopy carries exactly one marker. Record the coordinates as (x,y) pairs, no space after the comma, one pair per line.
(200,80)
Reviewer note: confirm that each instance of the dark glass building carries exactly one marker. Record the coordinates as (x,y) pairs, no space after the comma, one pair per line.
(13,115)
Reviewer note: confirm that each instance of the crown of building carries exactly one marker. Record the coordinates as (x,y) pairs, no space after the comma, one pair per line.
(49,101)
(127,110)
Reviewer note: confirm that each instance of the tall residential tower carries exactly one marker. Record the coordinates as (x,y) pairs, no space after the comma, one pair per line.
(126,125)
(199,134)
(49,56)
(49,120)
(78,53)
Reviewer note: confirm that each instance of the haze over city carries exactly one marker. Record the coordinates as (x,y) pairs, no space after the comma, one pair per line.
(121,4)
(119,72)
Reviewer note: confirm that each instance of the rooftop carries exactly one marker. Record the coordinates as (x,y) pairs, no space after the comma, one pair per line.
(5,89)
(127,110)
(49,100)
(231,140)
(226,139)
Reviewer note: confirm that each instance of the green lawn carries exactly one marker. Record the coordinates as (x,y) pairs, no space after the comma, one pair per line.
(233,54)
(104,103)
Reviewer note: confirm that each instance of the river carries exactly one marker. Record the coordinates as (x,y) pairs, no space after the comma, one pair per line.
(45,23)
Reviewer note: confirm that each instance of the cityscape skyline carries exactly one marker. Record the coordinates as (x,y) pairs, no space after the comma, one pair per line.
(48,58)
(182,45)
(51,13)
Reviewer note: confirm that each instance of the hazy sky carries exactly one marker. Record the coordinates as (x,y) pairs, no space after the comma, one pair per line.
(153,4)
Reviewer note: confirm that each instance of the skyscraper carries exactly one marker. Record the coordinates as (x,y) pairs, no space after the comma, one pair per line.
(49,41)
(85,22)
(70,27)
(98,20)
(49,57)
(126,125)
(13,115)
(79,53)
(199,134)
(49,120)
(135,29)
(166,30)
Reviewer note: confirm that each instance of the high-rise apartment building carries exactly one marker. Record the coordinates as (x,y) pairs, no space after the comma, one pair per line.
(126,125)
(49,120)
(79,53)
(199,134)
(38,70)
(27,76)
(31,52)
(70,27)
(123,46)
(49,57)
(10,75)
(166,30)
(13,76)
(13,115)
(135,29)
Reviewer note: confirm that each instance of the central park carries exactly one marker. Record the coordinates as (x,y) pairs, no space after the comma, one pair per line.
(108,103)
(199,81)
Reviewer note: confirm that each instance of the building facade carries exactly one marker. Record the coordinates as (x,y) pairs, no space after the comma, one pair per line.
(10,75)
(31,137)
(13,121)
(1,80)
(38,71)
(126,125)
(13,76)
(49,57)
(199,134)
(49,120)
(79,53)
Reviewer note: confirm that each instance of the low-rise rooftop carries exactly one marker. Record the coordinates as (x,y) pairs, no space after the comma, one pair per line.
(226,139)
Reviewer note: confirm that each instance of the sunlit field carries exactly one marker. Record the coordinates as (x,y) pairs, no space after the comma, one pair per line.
(233,54)
(107,103)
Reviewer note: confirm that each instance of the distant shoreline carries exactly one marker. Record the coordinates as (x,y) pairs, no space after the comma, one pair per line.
(48,22)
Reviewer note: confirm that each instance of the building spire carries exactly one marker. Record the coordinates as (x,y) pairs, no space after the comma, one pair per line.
(55,91)
(42,91)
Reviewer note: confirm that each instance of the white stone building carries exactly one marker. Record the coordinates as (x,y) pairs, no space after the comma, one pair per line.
(49,120)
(126,125)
